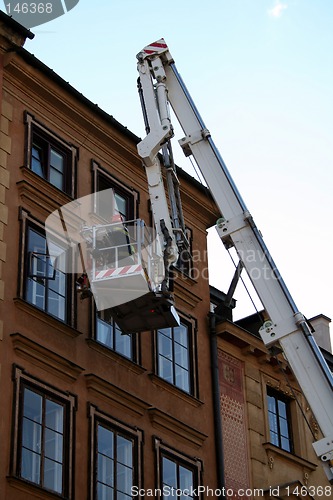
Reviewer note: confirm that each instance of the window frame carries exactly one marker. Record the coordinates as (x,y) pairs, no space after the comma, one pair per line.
(162,450)
(191,325)
(23,380)
(98,417)
(280,397)
(27,222)
(135,358)
(132,196)
(59,145)
(186,267)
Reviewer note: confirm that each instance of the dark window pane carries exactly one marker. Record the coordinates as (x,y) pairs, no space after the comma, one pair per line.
(181,335)
(32,435)
(30,466)
(105,441)
(271,404)
(54,416)
(123,343)
(104,492)
(185,478)
(165,346)
(165,331)
(182,378)
(104,333)
(181,356)
(56,178)
(105,472)
(121,205)
(109,334)
(285,444)
(53,445)
(282,408)
(124,451)
(165,369)
(32,406)
(169,471)
(284,428)
(124,479)
(57,161)
(52,475)
(37,161)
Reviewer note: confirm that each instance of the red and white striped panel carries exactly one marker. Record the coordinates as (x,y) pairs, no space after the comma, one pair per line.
(156,47)
(118,271)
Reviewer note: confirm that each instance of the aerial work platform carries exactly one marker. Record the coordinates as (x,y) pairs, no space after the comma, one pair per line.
(126,276)
(121,264)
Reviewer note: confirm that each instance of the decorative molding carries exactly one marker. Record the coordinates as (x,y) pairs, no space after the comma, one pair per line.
(184,293)
(247,341)
(36,191)
(45,358)
(273,452)
(116,395)
(51,322)
(115,357)
(163,384)
(164,422)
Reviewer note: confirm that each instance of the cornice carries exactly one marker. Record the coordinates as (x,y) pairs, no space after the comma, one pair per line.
(36,191)
(45,358)
(50,321)
(183,291)
(70,110)
(162,384)
(116,396)
(166,423)
(115,357)
(246,341)
(275,452)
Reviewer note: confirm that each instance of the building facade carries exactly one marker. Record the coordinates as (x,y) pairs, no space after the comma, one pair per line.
(267,425)
(87,412)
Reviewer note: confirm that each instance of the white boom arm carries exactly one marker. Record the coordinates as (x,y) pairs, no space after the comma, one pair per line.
(287,325)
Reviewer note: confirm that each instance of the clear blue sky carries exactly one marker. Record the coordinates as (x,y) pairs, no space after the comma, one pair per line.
(261,75)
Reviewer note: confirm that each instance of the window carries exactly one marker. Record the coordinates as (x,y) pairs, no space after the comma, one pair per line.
(109,334)
(46,287)
(125,198)
(43,435)
(116,459)
(175,356)
(40,282)
(50,157)
(279,420)
(179,475)
(185,262)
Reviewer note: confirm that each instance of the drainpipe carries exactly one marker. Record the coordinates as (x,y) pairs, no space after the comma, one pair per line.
(217,407)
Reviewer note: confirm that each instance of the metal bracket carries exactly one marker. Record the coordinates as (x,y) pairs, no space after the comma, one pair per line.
(272,333)
(324,450)
(226,227)
(193,138)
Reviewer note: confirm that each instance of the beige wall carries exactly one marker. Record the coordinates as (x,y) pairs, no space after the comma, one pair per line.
(246,370)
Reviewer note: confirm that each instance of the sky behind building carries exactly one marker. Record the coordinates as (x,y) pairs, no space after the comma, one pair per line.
(261,75)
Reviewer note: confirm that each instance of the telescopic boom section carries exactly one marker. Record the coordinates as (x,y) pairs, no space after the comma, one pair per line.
(236,228)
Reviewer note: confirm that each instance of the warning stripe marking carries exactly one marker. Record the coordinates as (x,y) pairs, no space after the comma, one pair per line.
(153,47)
(119,271)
